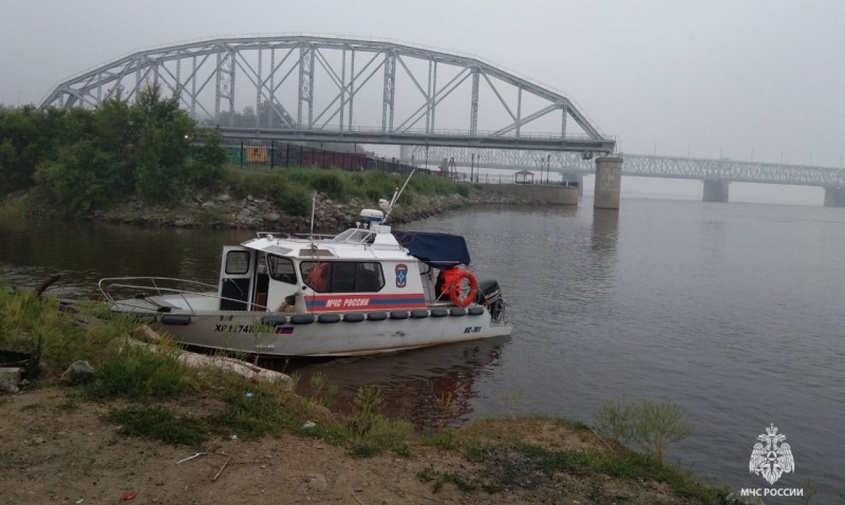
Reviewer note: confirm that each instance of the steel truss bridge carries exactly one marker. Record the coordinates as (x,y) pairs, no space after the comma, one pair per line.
(316,88)
(572,165)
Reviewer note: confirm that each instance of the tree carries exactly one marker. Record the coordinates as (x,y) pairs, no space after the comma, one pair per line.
(78,179)
(164,145)
(23,143)
(116,136)
(85,159)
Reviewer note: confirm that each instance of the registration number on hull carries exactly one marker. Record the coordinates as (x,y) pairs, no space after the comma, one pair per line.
(242,328)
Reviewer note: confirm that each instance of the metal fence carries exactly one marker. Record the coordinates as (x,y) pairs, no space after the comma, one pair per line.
(273,155)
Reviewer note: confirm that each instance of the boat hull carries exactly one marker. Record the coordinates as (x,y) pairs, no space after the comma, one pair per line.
(326,335)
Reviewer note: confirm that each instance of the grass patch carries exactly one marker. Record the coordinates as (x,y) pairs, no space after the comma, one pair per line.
(291,187)
(256,410)
(363,451)
(139,373)
(439,479)
(527,466)
(70,404)
(210,215)
(158,423)
(506,457)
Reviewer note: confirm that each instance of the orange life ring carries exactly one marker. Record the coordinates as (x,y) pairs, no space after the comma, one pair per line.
(454,282)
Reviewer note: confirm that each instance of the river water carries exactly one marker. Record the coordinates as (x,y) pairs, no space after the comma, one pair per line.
(732,311)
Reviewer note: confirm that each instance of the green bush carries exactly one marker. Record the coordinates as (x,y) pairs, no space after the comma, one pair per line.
(650,425)
(139,372)
(29,136)
(427,184)
(252,184)
(299,176)
(28,320)
(374,185)
(79,180)
(295,200)
(82,159)
(331,185)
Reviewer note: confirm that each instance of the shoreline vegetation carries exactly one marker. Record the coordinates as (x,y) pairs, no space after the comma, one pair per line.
(146,395)
(248,202)
(149,163)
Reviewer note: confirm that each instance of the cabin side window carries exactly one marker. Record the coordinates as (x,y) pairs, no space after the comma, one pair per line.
(343,276)
(237,262)
(281,269)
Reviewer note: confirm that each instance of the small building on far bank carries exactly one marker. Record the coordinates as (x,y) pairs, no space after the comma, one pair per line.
(523,177)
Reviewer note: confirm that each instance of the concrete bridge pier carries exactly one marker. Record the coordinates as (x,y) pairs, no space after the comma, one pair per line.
(715,191)
(834,197)
(608,182)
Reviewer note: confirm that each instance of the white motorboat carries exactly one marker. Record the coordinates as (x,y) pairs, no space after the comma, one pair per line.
(368,290)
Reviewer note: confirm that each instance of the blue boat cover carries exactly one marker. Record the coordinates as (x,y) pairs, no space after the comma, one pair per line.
(440,250)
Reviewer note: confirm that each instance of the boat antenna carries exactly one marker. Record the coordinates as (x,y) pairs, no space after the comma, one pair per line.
(396,195)
(313,206)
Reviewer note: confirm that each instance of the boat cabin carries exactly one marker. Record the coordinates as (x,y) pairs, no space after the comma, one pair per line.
(361,269)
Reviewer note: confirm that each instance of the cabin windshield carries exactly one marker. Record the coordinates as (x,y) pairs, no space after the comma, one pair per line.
(343,277)
(281,269)
(357,236)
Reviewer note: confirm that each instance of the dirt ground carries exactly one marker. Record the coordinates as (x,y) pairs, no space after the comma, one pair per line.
(56,450)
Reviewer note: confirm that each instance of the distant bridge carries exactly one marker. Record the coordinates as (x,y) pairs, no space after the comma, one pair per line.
(572,165)
(715,174)
(304,87)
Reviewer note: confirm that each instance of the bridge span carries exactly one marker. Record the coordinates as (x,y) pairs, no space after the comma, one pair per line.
(715,174)
(305,87)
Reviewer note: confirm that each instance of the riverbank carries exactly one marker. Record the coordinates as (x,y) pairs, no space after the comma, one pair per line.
(221,210)
(56,448)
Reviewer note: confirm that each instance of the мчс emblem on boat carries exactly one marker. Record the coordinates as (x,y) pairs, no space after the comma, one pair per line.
(401,275)
(771,458)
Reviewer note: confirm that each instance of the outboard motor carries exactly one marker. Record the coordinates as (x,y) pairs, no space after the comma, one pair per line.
(490,296)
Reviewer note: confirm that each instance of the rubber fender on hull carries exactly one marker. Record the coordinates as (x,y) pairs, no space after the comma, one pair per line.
(176,319)
(399,314)
(457,312)
(354,317)
(419,314)
(329,318)
(301,319)
(274,320)
(475,311)
(377,316)
(439,312)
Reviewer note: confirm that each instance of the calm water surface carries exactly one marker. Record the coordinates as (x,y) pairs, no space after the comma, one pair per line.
(732,311)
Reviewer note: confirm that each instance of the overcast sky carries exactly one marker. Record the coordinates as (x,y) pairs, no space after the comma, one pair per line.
(761,80)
